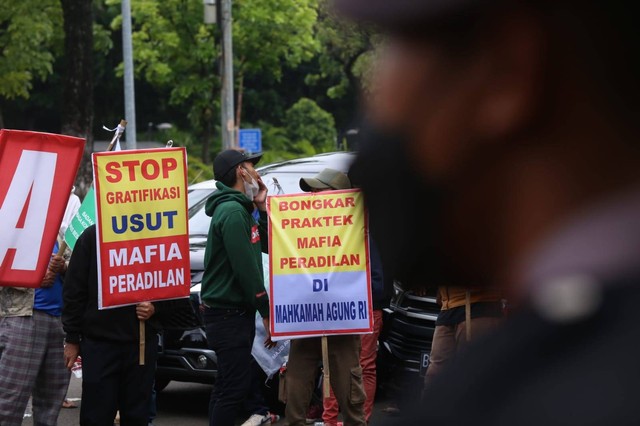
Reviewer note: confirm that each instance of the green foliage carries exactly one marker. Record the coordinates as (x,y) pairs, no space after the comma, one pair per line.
(174,49)
(102,42)
(268,34)
(276,144)
(180,137)
(298,70)
(274,138)
(342,60)
(311,128)
(308,130)
(29,30)
(198,171)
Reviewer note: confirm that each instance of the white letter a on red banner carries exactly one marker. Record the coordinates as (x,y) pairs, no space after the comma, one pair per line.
(34,174)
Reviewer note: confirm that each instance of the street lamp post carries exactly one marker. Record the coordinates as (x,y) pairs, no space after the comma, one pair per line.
(227,109)
(129,88)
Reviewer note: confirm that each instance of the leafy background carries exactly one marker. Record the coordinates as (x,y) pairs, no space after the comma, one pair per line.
(298,70)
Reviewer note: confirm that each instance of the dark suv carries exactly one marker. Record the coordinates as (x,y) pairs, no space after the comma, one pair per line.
(411,322)
(405,343)
(183,355)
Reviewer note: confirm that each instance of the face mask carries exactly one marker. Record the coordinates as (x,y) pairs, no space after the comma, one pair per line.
(250,189)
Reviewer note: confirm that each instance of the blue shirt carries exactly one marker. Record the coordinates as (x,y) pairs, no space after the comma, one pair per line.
(49,300)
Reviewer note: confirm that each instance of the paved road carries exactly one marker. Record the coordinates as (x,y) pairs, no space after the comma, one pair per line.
(179,404)
(183,404)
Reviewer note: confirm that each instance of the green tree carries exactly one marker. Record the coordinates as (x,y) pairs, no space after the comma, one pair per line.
(345,51)
(269,35)
(310,128)
(341,67)
(198,171)
(275,143)
(174,49)
(29,30)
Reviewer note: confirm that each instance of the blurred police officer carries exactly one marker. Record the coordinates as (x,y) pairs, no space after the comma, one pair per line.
(519,125)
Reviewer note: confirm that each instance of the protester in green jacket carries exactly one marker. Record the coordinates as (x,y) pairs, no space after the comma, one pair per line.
(233,285)
(233,276)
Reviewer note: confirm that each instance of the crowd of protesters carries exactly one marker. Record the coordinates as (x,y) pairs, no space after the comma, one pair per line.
(506,133)
(45,330)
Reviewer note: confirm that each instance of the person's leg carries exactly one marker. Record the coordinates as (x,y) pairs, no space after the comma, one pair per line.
(368,357)
(101,369)
(443,349)
(304,356)
(230,334)
(67,403)
(331,410)
(479,327)
(20,357)
(53,378)
(255,402)
(346,378)
(218,387)
(153,403)
(136,382)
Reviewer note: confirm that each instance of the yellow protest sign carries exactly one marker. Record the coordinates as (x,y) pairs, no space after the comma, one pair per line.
(319,264)
(142,222)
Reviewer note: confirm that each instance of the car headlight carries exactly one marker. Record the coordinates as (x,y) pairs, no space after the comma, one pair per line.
(397,289)
(202,361)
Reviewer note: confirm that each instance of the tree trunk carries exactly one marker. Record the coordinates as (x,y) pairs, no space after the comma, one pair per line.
(77,106)
(239,107)
(207,134)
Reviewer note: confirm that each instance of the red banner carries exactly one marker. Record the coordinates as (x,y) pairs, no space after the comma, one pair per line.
(142,223)
(37,171)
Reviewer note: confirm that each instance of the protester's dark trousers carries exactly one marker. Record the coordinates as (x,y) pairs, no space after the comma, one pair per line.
(112,380)
(230,333)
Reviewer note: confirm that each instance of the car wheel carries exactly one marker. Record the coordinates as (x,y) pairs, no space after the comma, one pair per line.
(160,384)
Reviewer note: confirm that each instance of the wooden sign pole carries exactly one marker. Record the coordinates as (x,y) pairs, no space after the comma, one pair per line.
(326,375)
(116,137)
(142,342)
(467,315)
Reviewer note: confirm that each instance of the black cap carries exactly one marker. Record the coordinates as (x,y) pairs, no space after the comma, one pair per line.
(396,13)
(227,160)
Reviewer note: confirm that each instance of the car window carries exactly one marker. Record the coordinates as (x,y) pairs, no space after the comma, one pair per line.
(195,195)
(279,179)
(283,183)
(198,219)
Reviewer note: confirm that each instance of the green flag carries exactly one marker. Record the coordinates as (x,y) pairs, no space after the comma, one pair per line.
(84,218)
